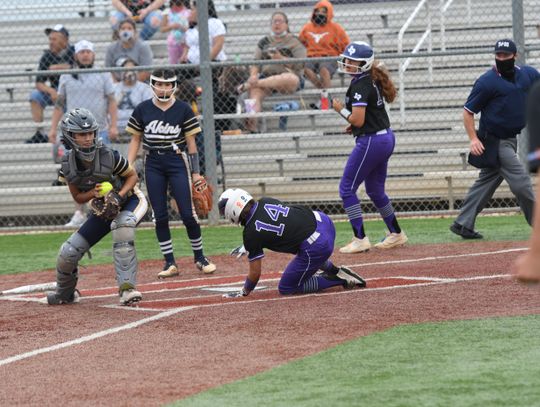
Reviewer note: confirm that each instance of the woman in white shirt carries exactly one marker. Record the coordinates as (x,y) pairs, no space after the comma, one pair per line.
(216,31)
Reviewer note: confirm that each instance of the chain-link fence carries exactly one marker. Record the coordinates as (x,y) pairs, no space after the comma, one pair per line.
(276,133)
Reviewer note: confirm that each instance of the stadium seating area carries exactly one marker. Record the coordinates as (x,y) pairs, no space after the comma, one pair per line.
(303,164)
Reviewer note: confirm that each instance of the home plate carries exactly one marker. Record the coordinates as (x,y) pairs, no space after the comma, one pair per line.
(229,289)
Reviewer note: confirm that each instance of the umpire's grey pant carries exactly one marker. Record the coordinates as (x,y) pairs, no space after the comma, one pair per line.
(513,172)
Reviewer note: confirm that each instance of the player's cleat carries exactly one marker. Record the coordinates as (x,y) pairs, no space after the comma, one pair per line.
(392,240)
(77,219)
(38,137)
(130,296)
(357,246)
(350,278)
(464,232)
(205,265)
(169,270)
(55,299)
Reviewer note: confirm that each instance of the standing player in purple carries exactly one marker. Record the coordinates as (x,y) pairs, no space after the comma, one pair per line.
(270,224)
(167,129)
(368,162)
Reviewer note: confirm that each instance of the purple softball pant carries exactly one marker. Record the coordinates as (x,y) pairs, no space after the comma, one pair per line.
(312,256)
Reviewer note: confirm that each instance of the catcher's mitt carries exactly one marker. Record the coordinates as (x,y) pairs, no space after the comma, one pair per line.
(107,207)
(202,197)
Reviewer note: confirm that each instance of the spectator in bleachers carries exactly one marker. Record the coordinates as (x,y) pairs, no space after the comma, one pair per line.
(175,22)
(129,92)
(129,46)
(92,91)
(58,56)
(282,78)
(147,12)
(322,37)
(216,32)
(191,55)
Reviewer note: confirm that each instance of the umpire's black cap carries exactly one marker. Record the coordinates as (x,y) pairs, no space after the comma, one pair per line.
(506,45)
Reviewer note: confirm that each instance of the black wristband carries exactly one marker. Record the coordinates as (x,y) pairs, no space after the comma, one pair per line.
(193,159)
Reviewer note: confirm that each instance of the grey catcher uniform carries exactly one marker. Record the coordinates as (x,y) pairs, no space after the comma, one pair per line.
(83,167)
(500,96)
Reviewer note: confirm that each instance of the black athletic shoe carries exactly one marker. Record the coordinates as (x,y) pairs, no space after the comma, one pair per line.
(54,298)
(465,232)
(38,137)
(350,278)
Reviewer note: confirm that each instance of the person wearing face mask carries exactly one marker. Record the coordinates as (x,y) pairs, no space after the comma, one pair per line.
(499,95)
(93,91)
(286,78)
(129,46)
(322,37)
(147,12)
(129,92)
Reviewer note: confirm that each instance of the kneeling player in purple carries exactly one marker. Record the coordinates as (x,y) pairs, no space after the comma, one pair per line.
(86,165)
(368,122)
(270,224)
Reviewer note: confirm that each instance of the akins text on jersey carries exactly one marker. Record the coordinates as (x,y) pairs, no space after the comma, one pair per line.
(158,127)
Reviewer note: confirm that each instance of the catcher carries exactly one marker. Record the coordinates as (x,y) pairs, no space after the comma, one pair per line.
(86,165)
(166,128)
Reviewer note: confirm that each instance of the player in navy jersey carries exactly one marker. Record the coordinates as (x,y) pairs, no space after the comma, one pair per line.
(368,121)
(167,128)
(270,224)
(85,166)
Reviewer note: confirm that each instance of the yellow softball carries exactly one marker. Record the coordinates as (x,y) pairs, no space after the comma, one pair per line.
(104,188)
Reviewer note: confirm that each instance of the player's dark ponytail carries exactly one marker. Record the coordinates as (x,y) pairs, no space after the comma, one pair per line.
(381,75)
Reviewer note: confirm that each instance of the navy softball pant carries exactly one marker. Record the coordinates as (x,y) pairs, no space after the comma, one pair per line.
(170,170)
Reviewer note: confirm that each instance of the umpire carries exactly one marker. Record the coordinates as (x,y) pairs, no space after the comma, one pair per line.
(499,95)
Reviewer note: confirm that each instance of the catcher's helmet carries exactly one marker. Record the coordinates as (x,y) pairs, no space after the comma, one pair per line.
(356,51)
(232,202)
(79,120)
(163,76)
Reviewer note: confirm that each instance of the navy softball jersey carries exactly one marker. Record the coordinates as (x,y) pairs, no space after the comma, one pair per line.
(364,92)
(163,129)
(277,227)
(166,168)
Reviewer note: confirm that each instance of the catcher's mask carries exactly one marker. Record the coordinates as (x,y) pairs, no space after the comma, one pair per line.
(232,202)
(75,121)
(356,51)
(163,76)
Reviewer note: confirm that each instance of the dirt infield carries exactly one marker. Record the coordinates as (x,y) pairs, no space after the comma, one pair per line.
(184,337)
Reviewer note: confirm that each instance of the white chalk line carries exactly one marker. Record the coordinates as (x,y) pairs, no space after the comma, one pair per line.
(431,258)
(93,336)
(174,311)
(165,314)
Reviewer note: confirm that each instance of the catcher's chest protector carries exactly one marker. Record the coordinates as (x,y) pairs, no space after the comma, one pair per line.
(100,171)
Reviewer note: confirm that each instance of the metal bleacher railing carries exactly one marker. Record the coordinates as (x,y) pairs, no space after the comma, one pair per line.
(427,174)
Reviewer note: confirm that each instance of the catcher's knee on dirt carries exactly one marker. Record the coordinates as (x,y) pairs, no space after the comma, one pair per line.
(125,256)
(66,264)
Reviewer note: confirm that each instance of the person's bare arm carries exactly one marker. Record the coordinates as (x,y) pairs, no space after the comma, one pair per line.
(476,146)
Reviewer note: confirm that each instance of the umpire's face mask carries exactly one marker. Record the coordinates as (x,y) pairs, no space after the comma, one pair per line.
(506,67)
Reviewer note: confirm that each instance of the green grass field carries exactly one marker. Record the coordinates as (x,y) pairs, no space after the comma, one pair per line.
(490,362)
(31,252)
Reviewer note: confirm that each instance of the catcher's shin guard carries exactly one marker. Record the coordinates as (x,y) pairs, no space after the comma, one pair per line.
(125,256)
(66,267)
